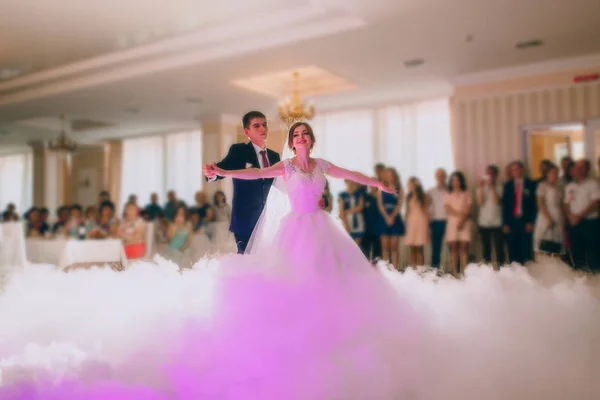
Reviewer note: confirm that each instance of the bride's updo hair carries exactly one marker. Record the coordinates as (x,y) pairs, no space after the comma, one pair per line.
(291,135)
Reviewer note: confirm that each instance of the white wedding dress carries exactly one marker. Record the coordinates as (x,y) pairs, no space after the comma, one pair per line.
(303,317)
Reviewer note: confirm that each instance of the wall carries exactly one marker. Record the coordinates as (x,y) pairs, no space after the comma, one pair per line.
(87,175)
(487,118)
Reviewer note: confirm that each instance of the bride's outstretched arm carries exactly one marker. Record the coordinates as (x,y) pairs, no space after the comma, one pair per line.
(250,173)
(342,173)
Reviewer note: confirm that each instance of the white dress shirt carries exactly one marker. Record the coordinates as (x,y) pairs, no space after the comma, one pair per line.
(437,211)
(257,149)
(578,196)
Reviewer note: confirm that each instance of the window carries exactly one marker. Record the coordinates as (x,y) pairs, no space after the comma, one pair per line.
(184,164)
(415,139)
(16,181)
(347,140)
(162,163)
(143,169)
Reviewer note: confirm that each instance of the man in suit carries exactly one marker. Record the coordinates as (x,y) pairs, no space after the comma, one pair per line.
(249,196)
(518,214)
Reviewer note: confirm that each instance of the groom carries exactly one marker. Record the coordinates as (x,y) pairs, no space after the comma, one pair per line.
(249,196)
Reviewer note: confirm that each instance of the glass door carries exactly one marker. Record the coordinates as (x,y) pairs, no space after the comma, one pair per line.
(592,136)
(552,142)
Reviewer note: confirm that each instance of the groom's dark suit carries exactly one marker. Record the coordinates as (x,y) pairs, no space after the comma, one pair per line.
(249,196)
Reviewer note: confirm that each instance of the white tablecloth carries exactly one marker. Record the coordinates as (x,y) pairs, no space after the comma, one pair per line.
(44,251)
(92,251)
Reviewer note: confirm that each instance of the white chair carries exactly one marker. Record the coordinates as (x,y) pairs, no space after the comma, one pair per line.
(12,245)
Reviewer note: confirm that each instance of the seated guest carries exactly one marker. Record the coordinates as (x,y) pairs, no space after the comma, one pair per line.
(10,214)
(203,208)
(145,215)
(153,208)
(195,220)
(36,227)
(171,205)
(106,225)
(58,229)
(161,236)
(132,231)
(44,215)
(179,237)
(91,219)
(75,227)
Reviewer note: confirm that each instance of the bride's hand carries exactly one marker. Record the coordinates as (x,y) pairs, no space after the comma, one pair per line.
(386,189)
(214,170)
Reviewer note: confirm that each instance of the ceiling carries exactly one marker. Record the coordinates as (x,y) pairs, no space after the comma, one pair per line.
(140,66)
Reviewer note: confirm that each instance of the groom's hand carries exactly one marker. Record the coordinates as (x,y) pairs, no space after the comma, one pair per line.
(208,171)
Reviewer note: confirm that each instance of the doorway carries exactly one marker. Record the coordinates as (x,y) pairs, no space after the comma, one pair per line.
(553,142)
(592,133)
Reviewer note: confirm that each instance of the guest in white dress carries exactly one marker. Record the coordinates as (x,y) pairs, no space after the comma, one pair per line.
(550,221)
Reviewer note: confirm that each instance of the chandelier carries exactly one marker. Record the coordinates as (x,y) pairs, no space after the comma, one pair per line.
(293,110)
(62,143)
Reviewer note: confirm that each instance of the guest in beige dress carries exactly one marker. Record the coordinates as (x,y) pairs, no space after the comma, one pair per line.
(458,204)
(417,222)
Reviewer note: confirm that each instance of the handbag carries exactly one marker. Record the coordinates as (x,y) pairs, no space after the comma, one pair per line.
(550,246)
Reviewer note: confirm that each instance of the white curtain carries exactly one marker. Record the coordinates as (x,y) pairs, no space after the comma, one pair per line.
(142,169)
(162,163)
(184,164)
(346,139)
(415,139)
(16,181)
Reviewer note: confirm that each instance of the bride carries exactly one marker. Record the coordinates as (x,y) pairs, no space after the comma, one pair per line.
(324,323)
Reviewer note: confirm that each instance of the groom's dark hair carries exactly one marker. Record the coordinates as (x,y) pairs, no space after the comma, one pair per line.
(250,116)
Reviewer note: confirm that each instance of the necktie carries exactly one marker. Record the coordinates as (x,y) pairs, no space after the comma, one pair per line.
(517,210)
(265,161)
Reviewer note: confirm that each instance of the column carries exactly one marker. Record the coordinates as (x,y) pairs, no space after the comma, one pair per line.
(113,162)
(50,170)
(39,180)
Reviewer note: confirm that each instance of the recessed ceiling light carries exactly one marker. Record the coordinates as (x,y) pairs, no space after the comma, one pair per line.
(414,62)
(527,44)
(132,111)
(193,100)
(7,73)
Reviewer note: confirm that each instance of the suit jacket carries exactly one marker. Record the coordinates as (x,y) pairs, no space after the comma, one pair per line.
(249,196)
(528,202)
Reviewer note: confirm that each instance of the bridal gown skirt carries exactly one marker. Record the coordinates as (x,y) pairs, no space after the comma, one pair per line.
(306,318)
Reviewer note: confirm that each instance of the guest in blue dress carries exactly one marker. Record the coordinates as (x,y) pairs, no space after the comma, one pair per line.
(179,234)
(352,203)
(391,226)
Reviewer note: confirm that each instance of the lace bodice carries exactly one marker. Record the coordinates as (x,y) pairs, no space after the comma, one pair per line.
(305,189)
